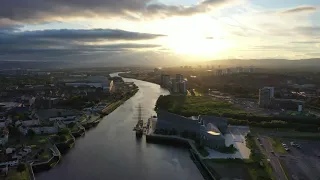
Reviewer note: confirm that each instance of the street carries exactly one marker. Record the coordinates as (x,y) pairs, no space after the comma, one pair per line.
(267,148)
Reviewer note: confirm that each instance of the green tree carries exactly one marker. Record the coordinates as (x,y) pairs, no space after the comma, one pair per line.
(63,131)
(174,131)
(62,138)
(31,133)
(21,167)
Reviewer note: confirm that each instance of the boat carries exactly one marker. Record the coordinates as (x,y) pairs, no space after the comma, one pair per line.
(139,126)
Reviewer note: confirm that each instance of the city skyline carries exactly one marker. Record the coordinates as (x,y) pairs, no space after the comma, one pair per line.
(166,30)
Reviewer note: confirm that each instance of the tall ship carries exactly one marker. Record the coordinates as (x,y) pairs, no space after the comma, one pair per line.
(139,126)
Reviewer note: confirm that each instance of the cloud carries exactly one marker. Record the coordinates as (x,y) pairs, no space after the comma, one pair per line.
(66,37)
(39,11)
(202,7)
(86,34)
(308,30)
(61,43)
(305,42)
(300,9)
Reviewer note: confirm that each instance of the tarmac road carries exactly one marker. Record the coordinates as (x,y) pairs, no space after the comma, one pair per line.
(267,148)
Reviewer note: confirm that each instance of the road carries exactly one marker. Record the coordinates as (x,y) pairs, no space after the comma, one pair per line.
(267,148)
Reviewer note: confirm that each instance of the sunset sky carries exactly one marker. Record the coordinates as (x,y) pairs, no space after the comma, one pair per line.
(192,30)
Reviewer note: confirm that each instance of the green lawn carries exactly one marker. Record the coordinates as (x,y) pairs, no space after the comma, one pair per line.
(13,174)
(195,105)
(277,146)
(253,164)
(203,151)
(73,127)
(233,169)
(196,93)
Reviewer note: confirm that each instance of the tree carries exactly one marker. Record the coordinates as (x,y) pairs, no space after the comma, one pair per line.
(14,131)
(185,134)
(21,167)
(174,131)
(62,138)
(63,131)
(31,133)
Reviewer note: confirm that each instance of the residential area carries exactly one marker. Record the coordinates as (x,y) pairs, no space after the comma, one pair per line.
(42,114)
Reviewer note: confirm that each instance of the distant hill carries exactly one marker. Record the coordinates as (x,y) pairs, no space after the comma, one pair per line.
(270,63)
(154,60)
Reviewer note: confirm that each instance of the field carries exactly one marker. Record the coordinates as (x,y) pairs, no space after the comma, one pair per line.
(195,105)
(277,146)
(241,169)
(13,174)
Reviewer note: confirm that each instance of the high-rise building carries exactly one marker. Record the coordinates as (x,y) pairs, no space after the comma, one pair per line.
(219,72)
(251,69)
(165,81)
(179,77)
(174,86)
(266,94)
(240,69)
(183,87)
(228,71)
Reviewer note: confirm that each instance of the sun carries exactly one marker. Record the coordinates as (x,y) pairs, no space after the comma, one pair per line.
(200,46)
(196,36)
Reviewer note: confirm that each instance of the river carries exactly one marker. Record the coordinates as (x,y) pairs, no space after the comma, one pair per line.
(111,151)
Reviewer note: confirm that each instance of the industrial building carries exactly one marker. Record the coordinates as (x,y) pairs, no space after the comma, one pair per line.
(287,104)
(210,129)
(83,80)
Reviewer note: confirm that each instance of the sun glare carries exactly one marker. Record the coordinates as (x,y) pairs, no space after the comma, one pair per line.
(197,36)
(197,46)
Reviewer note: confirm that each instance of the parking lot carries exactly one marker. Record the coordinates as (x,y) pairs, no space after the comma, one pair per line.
(302,163)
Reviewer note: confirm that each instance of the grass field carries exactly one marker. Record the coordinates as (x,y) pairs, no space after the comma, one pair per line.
(195,105)
(13,174)
(277,146)
(203,151)
(240,169)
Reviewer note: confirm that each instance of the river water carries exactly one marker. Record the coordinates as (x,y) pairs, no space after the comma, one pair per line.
(111,151)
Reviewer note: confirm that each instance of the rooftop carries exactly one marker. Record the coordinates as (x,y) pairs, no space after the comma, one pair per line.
(214,133)
(49,113)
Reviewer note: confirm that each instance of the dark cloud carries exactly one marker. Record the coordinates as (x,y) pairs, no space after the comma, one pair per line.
(67,38)
(64,43)
(300,9)
(36,11)
(84,34)
(202,7)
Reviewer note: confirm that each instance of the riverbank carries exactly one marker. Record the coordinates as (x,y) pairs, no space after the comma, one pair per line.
(107,110)
(77,130)
(144,77)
